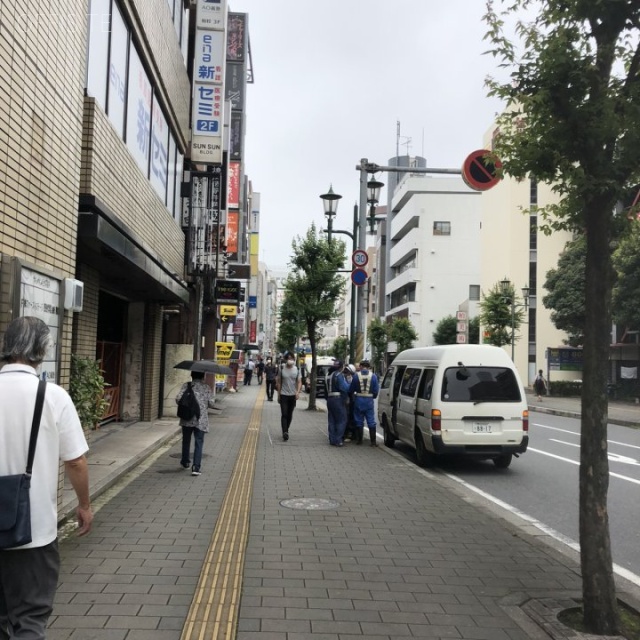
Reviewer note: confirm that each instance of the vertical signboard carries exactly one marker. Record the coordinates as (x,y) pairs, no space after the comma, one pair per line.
(233,197)
(40,297)
(204,218)
(208,81)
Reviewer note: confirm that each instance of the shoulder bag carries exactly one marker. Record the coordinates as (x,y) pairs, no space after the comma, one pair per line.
(15,506)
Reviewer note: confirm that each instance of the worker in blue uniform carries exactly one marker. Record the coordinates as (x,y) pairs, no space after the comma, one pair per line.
(364,390)
(337,396)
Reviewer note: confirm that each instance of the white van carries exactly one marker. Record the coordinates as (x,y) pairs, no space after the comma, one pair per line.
(455,400)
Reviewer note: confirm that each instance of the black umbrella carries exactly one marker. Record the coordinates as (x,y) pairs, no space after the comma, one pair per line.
(204,366)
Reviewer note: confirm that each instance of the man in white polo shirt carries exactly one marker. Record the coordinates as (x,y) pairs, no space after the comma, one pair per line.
(29,574)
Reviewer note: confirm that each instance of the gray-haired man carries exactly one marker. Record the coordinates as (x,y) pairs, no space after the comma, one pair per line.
(29,574)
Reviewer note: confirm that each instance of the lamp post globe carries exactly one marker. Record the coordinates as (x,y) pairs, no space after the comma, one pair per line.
(330,202)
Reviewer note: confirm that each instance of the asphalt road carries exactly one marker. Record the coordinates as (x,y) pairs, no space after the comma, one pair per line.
(543,483)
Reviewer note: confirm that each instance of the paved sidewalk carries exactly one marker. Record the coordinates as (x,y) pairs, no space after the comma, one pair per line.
(397,551)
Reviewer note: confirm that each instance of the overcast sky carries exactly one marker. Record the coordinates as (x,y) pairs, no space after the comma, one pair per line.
(332,79)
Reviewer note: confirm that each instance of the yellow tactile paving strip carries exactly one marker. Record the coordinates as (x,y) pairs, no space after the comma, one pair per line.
(213,614)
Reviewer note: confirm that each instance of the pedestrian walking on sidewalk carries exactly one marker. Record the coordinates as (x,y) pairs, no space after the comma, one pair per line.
(364,389)
(540,385)
(288,384)
(338,393)
(29,573)
(270,373)
(249,368)
(260,369)
(196,426)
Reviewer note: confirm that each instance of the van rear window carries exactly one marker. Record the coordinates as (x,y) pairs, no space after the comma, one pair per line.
(480,384)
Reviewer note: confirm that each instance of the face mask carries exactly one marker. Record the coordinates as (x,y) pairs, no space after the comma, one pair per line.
(289,363)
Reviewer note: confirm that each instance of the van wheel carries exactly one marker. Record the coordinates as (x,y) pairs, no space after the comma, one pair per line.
(424,457)
(389,438)
(502,462)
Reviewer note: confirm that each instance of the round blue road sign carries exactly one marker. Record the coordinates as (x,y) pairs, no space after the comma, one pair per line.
(358,277)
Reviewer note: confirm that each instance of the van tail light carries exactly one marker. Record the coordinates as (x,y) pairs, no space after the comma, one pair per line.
(436,420)
(525,421)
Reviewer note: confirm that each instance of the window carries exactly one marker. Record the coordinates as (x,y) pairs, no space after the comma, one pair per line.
(441,228)
(139,112)
(98,51)
(386,381)
(480,384)
(474,292)
(117,70)
(159,151)
(410,382)
(426,384)
(177,212)
(171,181)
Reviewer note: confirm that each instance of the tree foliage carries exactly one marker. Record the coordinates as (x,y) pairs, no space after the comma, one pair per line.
(313,288)
(572,120)
(403,333)
(474,330)
(497,318)
(566,291)
(446,331)
(340,348)
(379,340)
(626,292)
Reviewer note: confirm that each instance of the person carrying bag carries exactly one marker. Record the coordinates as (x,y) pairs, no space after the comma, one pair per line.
(15,503)
(29,557)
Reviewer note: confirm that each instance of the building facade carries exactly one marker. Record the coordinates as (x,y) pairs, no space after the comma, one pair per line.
(433,241)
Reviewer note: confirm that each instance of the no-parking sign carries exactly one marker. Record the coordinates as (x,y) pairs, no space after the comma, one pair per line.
(358,277)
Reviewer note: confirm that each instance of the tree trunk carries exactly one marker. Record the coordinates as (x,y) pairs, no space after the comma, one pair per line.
(598,586)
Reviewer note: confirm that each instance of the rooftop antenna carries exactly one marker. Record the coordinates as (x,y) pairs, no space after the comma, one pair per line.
(406,141)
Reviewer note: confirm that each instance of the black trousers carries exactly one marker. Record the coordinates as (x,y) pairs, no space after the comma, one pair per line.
(271,385)
(287,405)
(28,581)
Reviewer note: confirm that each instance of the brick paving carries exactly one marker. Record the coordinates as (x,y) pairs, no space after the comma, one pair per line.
(405,554)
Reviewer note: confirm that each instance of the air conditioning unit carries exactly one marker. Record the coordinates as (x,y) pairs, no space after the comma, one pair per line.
(73,294)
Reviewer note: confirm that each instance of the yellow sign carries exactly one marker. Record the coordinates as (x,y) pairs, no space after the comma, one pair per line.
(228,310)
(224,351)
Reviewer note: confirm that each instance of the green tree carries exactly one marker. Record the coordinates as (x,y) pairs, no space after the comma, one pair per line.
(626,292)
(402,332)
(496,317)
(474,330)
(566,291)
(572,121)
(313,288)
(340,348)
(289,333)
(446,331)
(379,340)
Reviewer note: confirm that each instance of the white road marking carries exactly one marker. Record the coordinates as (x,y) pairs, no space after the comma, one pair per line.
(556,535)
(577,433)
(577,463)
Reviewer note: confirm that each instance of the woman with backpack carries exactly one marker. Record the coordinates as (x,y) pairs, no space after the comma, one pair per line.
(194,400)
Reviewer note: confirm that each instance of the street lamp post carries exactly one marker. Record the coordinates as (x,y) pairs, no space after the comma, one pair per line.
(330,202)
(509,296)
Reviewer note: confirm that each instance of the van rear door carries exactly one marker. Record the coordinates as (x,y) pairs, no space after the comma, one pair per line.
(481,405)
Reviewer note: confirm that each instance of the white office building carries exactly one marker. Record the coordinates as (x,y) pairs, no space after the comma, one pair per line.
(434,256)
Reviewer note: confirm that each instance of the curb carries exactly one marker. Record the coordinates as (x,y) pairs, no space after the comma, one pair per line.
(576,415)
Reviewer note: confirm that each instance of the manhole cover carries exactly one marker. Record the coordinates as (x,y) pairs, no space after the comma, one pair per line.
(317,504)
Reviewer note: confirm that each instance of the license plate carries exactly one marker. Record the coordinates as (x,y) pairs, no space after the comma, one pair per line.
(481,427)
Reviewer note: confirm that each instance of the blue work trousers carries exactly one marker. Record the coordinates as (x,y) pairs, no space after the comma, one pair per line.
(363,409)
(337,417)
